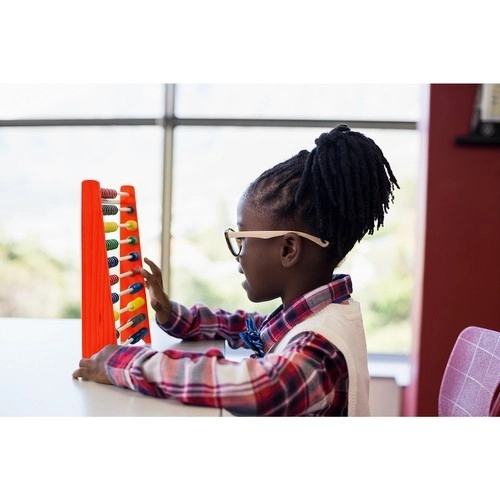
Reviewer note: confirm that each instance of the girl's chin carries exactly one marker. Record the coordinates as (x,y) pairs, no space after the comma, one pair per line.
(251,295)
(246,287)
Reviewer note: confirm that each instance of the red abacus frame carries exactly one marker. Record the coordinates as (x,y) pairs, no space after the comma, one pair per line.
(102,323)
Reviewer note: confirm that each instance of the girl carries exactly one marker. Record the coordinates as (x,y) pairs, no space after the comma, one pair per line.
(296,223)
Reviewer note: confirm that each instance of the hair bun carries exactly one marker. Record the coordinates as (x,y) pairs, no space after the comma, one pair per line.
(341,128)
(328,138)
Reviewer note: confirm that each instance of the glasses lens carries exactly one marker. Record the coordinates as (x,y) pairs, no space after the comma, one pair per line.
(234,244)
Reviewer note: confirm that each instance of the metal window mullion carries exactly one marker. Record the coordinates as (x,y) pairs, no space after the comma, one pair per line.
(284,122)
(171,120)
(168,155)
(81,122)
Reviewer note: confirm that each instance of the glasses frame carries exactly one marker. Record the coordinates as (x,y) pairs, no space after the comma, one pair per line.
(238,235)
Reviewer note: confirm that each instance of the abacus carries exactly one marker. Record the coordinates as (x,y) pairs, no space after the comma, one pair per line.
(114,306)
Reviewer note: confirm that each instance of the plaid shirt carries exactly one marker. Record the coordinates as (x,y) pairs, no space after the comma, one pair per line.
(308,378)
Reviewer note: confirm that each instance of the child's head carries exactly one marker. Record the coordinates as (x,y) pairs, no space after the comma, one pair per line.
(338,192)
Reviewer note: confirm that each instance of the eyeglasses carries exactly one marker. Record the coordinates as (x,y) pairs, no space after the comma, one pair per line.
(237,236)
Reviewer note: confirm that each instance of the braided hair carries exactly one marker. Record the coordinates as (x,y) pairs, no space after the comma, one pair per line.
(339,191)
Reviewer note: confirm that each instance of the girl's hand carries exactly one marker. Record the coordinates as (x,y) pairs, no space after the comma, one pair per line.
(158,298)
(94,368)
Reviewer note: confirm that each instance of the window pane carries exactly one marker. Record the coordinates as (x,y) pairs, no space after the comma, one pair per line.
(40,205)
(212,167)
(324,101)
(80,101)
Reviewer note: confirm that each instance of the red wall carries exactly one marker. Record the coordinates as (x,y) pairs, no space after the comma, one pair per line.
(458,259)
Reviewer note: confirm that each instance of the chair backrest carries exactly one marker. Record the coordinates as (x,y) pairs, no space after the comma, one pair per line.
(472,374)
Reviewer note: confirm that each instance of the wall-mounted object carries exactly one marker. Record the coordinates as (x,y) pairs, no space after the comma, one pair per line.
(485,121)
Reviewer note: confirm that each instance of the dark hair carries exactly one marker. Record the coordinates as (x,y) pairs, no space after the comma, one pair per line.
(339,191)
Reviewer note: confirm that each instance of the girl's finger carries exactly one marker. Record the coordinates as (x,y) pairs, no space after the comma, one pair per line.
(154,268)
(81,373)
(145,274)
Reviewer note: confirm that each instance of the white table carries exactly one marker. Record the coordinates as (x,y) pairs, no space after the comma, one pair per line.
(38,357)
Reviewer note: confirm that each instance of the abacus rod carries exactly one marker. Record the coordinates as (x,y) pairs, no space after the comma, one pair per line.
(132,322)
(130,256)
(133,339)
(124,275)
(120,193)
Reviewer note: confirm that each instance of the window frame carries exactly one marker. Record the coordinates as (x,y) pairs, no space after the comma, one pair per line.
(168,121)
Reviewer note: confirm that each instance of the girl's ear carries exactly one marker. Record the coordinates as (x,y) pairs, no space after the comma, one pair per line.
(291,249)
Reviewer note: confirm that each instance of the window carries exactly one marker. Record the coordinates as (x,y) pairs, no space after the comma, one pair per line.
(299,102)
(43,166)
(53,137)
(248,128)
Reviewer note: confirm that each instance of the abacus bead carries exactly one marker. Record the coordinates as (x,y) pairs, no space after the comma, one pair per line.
(135,287)
(109,210)
(110,227)
(134,256)
(113,261)
(135,304)
(111,244)
(131,225)
(108,193)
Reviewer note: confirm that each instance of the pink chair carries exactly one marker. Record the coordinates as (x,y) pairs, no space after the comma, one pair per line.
(472,375)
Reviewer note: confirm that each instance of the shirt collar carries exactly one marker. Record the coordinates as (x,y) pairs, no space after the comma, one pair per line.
(280,321)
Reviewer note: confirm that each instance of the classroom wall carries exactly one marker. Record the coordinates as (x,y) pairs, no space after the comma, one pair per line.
(458,255)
